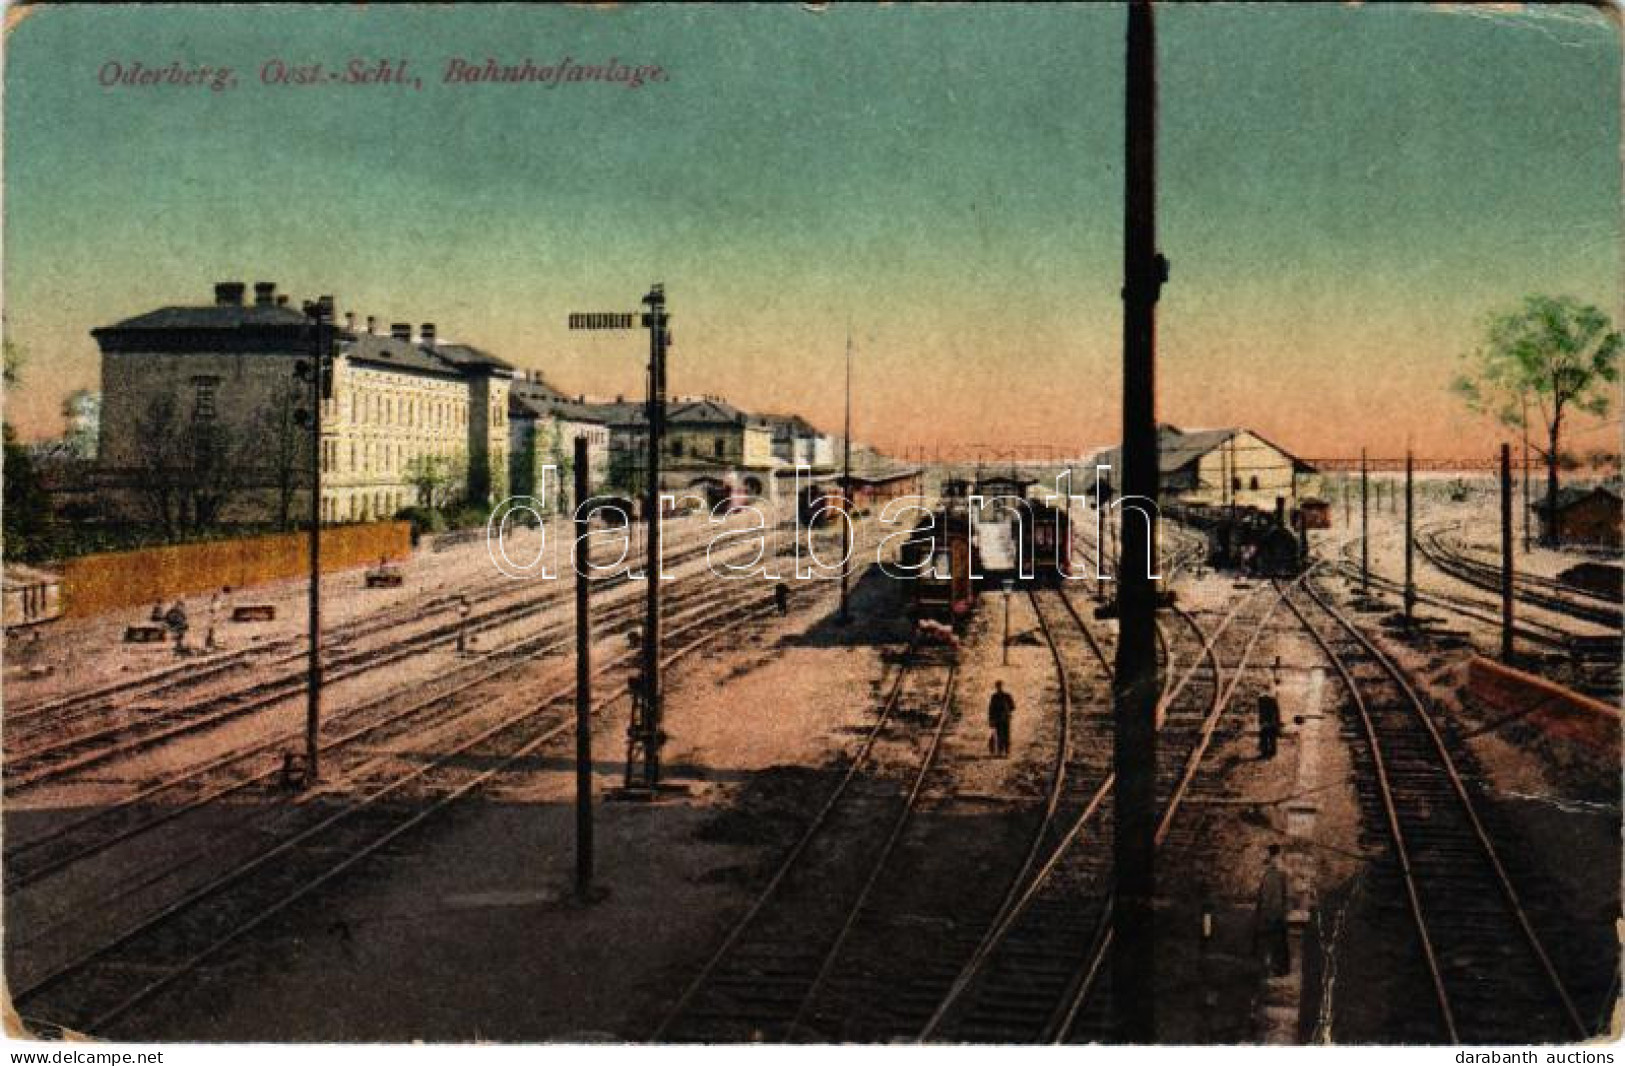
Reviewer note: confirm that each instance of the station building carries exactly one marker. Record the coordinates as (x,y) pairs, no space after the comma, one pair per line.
(203,403)
(1216,467)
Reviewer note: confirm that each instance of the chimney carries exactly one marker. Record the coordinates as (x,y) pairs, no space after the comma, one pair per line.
(229,293)
(349,321)
(426,334)
(264,294)
(282,299)
(372,323)
(581,398)
(619,398)
(401,331)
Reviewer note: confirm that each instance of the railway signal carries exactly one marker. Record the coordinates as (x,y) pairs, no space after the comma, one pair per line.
(319,372)
(645,736)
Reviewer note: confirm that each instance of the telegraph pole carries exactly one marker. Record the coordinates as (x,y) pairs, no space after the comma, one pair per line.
(584,843)
(1526,544)
(1135,682)
(1506,553)
(320,314)
(650,736)
(846,480)
(1410,543)
(1365,535)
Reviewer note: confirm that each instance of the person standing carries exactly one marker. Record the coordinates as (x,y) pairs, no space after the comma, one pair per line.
(1000,708)
(1269,922)
(1269,714)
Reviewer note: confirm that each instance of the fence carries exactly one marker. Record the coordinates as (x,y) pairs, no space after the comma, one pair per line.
(92,584)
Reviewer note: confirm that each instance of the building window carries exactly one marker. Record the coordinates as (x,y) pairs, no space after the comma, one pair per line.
(1235,484)
(717,445)
(203,408)
(1252,482)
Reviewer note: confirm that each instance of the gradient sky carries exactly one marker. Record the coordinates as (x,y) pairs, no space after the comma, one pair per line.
(1346,192)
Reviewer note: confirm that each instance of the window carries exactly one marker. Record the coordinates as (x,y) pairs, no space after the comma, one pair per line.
(203,408)
(718,446)
(352,456)
(1252,482)
(1235,484)
(677,448)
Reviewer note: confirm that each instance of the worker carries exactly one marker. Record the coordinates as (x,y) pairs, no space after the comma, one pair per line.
(1269,921)
(999,710)
(1269,715)
(781,597)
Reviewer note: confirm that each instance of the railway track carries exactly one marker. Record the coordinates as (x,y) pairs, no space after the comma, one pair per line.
(775,957)
(103,987)
(1041,974)
(1532,589)
(119,729)
(1483,973)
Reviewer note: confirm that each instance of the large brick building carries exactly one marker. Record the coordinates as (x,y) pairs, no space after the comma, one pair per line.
(201,405)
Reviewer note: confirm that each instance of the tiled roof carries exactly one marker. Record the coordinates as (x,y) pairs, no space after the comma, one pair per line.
(212,316)
(380,349)
(466,355)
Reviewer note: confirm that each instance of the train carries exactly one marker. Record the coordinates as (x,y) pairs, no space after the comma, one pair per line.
(972,549)
(1246,538)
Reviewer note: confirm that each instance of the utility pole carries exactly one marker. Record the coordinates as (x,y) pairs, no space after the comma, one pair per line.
(1506,553)
(649,734)
(1526,543)
(320,313)
(1135,682)
(1410,543)
(584,843)
(846,480)
(1365,534)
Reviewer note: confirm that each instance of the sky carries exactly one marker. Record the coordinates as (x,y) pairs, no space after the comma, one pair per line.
(1346,192)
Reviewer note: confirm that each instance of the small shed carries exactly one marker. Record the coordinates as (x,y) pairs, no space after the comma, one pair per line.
(31,596)
(1588,516)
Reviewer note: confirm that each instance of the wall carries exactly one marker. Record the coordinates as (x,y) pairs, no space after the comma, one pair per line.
(1551,708)
(96,583)
(1245,457)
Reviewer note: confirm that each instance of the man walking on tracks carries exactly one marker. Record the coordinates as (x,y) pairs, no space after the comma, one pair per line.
(1269,714)
(1269,923)
(999,710)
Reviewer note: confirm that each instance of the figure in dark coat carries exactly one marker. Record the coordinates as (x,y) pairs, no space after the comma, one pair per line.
(999,710)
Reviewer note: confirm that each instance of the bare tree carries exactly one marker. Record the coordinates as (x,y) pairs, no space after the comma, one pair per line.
(1555,353)
(287,448)
(189,467)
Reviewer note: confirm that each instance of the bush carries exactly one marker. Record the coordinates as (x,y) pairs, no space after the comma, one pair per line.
(423,519)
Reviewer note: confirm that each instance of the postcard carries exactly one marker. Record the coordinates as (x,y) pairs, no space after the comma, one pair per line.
(828,524)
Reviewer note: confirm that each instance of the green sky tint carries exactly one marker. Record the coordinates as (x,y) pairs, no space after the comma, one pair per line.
(1346,192)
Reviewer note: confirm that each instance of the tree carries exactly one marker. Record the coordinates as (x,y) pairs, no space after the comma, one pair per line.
(287,443)
(190,468)
(1555,354)
(82,411)
(26,507)
(435,479)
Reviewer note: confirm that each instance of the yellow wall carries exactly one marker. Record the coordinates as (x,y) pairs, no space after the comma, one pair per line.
(92,584)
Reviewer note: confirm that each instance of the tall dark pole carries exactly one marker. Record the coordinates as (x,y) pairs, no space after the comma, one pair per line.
(846,478)
(321,315)
(1410,542)
(1365,532)
(1526,475)
(1135,684)
(1506,553)
(656,319)
(583,684)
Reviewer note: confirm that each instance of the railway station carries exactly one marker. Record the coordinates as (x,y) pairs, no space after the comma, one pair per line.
(368,686)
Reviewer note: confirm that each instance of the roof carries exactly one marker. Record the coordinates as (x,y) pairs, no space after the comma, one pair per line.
(790,425)
(469,357)
(380,349)
(1569,495)
(1177,448)
(537,399)
(707,412)
(211,316)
